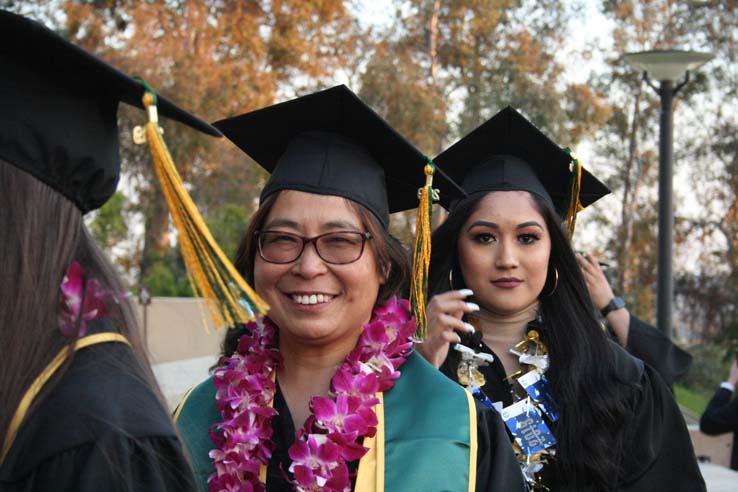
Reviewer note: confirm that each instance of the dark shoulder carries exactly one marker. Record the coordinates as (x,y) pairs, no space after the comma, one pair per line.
(103,393)
(627,368)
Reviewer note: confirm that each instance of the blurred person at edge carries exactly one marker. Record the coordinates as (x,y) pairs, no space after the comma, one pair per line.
(721,414)
(80,409)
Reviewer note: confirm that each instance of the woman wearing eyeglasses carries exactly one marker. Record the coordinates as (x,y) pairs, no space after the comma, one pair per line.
(326,393)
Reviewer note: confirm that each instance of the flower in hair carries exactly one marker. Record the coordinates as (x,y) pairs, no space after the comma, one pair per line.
(79,302)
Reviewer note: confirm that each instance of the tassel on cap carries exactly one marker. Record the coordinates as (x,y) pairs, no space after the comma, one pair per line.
(575,205)
(422,251)
(229,298)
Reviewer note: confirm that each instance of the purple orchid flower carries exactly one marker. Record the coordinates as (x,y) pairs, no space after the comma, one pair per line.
(330,435)
(72,289)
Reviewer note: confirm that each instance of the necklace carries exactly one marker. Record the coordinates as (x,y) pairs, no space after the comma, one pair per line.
(332,434)
(526,418)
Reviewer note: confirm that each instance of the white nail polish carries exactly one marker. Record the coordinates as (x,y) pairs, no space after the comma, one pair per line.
(466,292)
(472,306)
(469,327)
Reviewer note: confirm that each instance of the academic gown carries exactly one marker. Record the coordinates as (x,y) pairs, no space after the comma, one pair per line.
(658,351)
(658,451)
(100,428)
(496,466)
(721,416)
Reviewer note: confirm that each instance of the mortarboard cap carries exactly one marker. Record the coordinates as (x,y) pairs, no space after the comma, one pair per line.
(59,116)
(508,152)
(332,143)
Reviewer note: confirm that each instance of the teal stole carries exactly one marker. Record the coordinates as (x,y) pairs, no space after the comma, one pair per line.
(426,438)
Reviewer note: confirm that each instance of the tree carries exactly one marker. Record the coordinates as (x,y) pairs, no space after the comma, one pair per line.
(705,149)
(444,66)
(217,59)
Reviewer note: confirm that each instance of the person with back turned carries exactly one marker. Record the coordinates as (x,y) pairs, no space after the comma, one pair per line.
(80,408)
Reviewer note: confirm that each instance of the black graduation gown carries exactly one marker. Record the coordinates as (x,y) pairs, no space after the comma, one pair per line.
(658,451)
(100,428)
(655,349)
(497,469)
(721,416)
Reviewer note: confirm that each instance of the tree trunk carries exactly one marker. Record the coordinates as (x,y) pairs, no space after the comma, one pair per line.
(628,205)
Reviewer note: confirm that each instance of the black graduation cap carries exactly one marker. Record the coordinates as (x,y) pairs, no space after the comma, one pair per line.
(508,152)
(332,143)
(59,103)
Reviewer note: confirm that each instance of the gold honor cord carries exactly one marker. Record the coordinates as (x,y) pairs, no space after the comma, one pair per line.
(422,251)
(38,383)
(370,476)
(473,441)
(575,205)
(229,298)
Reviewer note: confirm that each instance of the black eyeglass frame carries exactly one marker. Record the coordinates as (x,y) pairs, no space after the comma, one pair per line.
(365,236)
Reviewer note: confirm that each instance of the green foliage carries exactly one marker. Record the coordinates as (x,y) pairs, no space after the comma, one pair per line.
(695,401)
(710,365)
(228,227)
(166,276)
(108,225)
(436,72)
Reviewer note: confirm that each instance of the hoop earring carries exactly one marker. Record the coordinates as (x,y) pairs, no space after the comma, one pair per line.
(556,282)
(451,278)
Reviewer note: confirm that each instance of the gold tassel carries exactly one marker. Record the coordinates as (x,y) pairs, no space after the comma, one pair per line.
(229,298)
(422,251)
(575,206)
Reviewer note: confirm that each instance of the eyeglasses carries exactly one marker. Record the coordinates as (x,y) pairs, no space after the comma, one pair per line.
(337,248)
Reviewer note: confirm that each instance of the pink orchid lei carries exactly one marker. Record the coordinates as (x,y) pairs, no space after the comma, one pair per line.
(332,433)
(80,303)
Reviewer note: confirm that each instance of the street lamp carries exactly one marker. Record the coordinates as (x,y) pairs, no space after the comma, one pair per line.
(668,67)
(144,298)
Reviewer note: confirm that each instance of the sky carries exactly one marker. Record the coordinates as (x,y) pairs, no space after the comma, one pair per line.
(590,29)
(594,29)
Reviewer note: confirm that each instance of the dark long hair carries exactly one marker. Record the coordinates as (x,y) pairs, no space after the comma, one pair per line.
(43,233)
(393,260)
(582,373)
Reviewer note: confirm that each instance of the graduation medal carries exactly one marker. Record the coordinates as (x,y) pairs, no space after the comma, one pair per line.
(533,441)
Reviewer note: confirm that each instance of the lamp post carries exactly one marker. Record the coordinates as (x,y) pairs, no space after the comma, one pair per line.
(144,298)
(668,67)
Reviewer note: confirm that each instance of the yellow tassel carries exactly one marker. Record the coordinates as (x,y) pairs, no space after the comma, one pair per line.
(422,251)
(211,275)
(575,205)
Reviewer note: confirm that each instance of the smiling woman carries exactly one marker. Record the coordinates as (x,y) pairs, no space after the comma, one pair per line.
(348,290)
(325,393)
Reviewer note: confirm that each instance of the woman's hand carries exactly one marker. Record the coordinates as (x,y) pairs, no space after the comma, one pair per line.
(444,315)
(601,294)
(597,284)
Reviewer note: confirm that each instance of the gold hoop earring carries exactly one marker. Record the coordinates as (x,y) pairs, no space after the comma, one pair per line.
(451,278)
(556,282)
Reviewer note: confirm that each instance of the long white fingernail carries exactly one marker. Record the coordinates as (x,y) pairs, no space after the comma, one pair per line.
(472,306)
(469,327)
(466,292)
